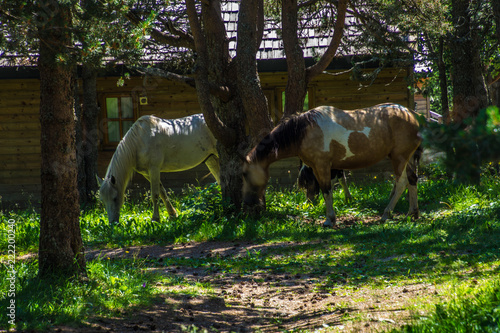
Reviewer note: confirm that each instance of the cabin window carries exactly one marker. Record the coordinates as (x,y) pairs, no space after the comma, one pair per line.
(119,114)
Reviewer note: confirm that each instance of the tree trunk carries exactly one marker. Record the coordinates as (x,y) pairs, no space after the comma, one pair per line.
(88,146)
(296,87)
(250,30)
(443,82)
(61,247)
(225,118)
(469,87)
(298,75)
(495,4)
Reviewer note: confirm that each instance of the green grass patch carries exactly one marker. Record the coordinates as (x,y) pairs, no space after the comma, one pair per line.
(455,242)
(471,309)
(111,288)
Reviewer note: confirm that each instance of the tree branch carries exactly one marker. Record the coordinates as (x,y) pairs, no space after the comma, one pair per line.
(178,38)
(329,54)
(222,133)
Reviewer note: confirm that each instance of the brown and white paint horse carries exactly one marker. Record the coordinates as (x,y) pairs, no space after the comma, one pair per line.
(327,138)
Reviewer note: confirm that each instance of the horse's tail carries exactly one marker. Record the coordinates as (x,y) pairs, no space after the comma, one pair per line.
(412,172)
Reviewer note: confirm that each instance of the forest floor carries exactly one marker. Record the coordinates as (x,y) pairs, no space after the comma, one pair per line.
(256,302)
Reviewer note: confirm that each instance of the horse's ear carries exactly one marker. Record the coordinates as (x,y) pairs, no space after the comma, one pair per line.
(99,180)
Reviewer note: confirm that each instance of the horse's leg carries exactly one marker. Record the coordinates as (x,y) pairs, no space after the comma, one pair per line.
(170,209)
(312,191)
(154,178)
(213,165)
(323,175)
(413,210)
(343,183)
(397,190)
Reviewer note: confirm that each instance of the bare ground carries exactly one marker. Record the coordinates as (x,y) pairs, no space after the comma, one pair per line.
(256,302)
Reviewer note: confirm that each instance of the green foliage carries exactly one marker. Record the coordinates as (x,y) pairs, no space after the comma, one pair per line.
(99,30)
(471,310)
(111,288)
(455,242)
(467,145)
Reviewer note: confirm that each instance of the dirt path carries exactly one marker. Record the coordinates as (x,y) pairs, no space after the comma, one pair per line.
(257,302)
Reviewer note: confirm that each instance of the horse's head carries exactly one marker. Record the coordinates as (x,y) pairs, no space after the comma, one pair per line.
(255,177)
(111,197)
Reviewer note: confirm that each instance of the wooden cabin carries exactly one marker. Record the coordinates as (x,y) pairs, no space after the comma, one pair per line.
(122,105)
(20,126)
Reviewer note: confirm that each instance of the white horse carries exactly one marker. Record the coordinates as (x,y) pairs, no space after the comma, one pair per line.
(153,145)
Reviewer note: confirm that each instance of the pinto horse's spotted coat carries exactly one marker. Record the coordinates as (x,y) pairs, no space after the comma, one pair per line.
(328,138)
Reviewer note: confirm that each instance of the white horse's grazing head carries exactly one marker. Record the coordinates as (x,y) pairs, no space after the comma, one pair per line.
(255,178)
(111,197)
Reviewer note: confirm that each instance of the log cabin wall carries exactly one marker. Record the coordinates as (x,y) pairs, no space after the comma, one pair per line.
(20,127)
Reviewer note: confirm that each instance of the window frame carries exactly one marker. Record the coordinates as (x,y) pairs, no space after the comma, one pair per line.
(106,143)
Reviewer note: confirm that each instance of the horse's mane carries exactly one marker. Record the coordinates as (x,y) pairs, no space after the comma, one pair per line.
(288,134)
(123,161)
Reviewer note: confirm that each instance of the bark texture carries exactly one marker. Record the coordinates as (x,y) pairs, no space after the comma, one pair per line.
(469,86)
(299,76)
(88,146)
(61,247)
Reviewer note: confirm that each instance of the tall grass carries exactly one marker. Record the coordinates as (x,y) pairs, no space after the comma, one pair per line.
(471,310)
(110,288)
(456,240)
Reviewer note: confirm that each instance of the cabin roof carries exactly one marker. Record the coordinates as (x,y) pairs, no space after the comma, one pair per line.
(270,55)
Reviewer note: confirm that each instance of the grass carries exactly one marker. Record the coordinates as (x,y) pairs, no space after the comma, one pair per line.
(455,242)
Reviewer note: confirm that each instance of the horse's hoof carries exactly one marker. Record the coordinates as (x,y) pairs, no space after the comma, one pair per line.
(328,224)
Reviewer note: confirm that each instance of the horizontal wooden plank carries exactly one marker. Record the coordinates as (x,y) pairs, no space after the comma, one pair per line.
(280,78)
(7,176)
(4,118)
(18,95)
(355,86)
(20,126)
(359,94)
(16,113)
(21,180)
(8,134)
(19,165)
(9,150)
(19,142)
(20,157)
(20,84)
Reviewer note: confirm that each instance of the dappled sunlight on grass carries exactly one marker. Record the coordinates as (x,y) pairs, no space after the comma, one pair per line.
(455,242)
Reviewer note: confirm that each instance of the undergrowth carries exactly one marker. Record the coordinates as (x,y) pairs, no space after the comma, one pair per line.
(454,242)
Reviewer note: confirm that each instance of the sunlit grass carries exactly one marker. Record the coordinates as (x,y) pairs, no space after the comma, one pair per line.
(110,288)
(455,242)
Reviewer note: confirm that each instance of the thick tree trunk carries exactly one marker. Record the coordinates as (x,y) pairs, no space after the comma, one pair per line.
(61,247)
(88,146)
(469,87)
(250,29)
(298,75)
(296,87)
(225,117)
(495,4)
(443,82)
